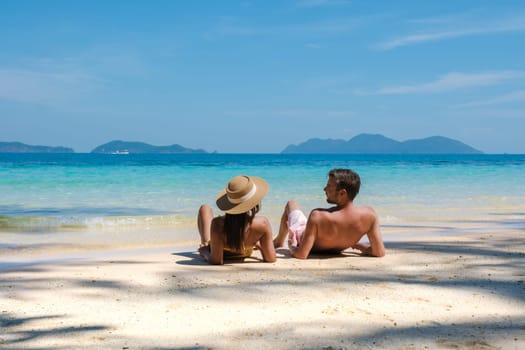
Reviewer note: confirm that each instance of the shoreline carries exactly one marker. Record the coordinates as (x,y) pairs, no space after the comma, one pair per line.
(19,246)
(461,291)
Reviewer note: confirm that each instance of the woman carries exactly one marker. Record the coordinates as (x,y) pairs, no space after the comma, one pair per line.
(234,235)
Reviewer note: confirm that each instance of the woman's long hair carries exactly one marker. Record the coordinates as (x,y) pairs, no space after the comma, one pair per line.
(235,226)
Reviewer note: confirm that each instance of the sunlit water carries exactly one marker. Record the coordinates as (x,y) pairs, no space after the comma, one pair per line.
(153,198)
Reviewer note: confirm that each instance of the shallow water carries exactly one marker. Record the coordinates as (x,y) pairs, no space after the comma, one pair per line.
(154,198)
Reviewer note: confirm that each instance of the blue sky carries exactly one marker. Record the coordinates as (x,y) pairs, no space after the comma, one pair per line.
(255,76)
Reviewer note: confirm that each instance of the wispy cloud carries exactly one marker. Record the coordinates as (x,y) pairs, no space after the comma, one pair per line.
(452,81)
(319,3)
(312,46)
(332,26)
(455,30)
(327,82)
(516,96)
(292,113)
(301,113)
(45,88)
(60,81)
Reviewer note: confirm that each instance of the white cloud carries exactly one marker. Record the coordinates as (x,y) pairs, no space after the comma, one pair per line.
(453,81)
(516,96)
(459,29)
(420,38)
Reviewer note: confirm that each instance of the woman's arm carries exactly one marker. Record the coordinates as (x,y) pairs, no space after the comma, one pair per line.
(266,241)
(215,257)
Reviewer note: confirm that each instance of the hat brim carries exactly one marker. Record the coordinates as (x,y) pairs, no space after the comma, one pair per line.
(231,208)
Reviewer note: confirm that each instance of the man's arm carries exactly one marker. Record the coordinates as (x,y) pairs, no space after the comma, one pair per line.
(376,248)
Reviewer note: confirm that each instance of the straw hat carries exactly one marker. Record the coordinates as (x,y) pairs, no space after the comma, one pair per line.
(242,194)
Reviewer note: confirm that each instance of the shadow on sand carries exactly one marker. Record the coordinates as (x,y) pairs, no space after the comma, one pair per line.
(477,256)
(13,336)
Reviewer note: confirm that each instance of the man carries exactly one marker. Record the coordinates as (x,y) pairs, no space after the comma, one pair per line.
(335,229)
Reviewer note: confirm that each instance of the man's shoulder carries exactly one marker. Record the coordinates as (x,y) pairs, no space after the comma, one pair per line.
(365,209)
(334,213)
(366,214)
(317,215)
(323,214)
(356,212)
(368,210)
(319,211)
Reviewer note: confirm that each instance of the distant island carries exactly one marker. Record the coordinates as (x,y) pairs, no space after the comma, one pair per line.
(126,147)
(19,147)
(360,144)
(113,147)
(379,144)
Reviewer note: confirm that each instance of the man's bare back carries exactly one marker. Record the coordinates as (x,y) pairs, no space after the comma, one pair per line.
(341,228)
(337,228)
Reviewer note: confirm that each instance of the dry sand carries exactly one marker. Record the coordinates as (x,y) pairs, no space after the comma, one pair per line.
(452,292)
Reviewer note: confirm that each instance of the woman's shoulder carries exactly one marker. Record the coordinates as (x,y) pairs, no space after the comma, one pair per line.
(261,218)
(261,222)
(217,222)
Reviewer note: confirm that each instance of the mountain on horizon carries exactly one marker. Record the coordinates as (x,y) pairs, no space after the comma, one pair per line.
(379,144)
(360,144)
(19,147)
(133,147)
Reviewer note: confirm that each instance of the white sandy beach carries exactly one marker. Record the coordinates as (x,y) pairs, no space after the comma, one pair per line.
(436,292)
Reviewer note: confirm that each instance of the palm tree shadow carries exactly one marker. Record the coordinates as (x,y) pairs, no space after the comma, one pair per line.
(14,337)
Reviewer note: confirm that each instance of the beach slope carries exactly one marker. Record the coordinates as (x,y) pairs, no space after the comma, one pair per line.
(453,292)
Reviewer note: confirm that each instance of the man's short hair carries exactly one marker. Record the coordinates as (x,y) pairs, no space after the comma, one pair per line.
(346,179)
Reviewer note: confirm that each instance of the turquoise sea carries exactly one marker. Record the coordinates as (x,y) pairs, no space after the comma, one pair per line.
(86,195)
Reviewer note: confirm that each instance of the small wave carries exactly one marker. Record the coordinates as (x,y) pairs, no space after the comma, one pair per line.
(389,219)
(48,223)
